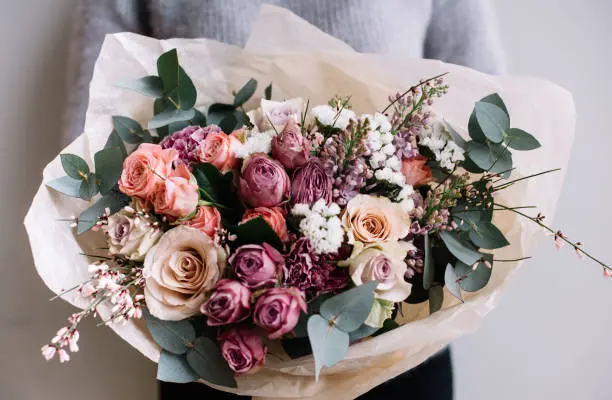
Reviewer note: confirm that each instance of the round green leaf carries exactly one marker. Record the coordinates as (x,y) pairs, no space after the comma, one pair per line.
(207,361)
(268,92)
(518,139)
(348,310)
(245,93)
(493,157)
(169,116)
(174,368)
(168,70)
(460,249)
(493,121)
(66,185)
(329,344)
(173,336)
(436,298)
(89,187)
(128,129)
(109,165)
(485,235)
(451,282)
(150,85)
(362,332)
(473,279)
(74,166)
(496,100)
(114,201)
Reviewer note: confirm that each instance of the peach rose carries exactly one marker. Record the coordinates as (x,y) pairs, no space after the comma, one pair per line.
(274,216)
(175,196)
(207,219)
(143,168)
(179,271)
(218,150)
(369,219)
(416,171)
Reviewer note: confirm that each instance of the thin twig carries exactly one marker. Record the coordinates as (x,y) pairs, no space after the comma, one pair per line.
(411,89)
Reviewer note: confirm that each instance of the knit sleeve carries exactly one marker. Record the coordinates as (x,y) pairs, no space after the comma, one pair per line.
(465,32)
(93,19)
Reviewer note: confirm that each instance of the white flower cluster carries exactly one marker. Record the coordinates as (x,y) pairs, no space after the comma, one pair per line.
(438,140)
(321,225)
(330,116)
(256,142)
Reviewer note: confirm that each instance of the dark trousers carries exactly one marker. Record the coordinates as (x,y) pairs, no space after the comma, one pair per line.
(432,380)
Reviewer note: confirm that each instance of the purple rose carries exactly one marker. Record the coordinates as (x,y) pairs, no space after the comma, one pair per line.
(257,266)
(290,147)
(263,182)
(313,273)
(243,350)
(277,311)
(311,183)
(229,303)
(187,143)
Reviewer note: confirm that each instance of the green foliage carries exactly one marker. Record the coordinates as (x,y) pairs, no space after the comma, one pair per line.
(114,201)
(492,120)
(451,282)
(255,231)
(329,344)
(485,235)
(461,249)
(362,332)
(170,116)
(109,165)
(114,141)
(66,185)
(474,279)
(388,325)
(174,368)
(436,298)
(490,156)
(206,360)
(428,264)
(74,166)
(218,189)
(89,187)
(131,131)
(518,139)
(348,310)
(150,85)
(173,336)
(268,92)
(245,93)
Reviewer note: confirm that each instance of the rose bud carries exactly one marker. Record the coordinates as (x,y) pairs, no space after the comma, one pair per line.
(257,266)
(290,148)
(416,171)
(229,303)
(207,219)
(274,216)
(243,350)
(218,150)
(277,311)
(263,182)
(311,183)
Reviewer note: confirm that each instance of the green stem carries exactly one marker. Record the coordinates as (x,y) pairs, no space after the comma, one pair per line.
(503,185)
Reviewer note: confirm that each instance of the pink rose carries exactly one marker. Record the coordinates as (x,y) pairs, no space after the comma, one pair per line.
(175,196)
(142,169)
(218,150)
(290,147)
(207,219)
(263,182)
(311,183)
(277,311)
(274,216)
(257,266)
(228,304)
(243,350)
(416,171)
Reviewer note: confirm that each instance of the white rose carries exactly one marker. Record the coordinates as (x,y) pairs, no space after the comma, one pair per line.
(179,271)
(130,237)
(382,262)
(279,113)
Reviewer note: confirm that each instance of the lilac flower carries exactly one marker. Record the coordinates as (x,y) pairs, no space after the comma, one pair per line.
(187,142)
(313,273)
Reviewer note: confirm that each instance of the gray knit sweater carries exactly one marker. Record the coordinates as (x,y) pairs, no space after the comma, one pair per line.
(456,31)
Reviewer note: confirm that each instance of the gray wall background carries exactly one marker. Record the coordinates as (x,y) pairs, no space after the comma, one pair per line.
(549,337)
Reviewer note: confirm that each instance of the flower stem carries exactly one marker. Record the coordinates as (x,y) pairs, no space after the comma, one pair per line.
(505,184)
(411,89)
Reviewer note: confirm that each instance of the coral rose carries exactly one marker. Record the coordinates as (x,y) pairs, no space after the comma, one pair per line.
(179,271)
(416,171)
(274,216)
(218,150)
(207,219)
(175,196)
(145,167)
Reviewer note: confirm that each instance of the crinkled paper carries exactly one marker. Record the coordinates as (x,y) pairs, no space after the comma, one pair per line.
(302,61)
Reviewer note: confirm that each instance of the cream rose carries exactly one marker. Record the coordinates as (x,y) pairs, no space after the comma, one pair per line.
(370,219)
(130,237)
(382,262)
(179,271)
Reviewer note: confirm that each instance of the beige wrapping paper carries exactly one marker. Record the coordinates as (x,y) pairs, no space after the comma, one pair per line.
(302,61)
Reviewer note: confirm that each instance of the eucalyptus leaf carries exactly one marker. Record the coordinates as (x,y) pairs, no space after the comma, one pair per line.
(348,310)
(173,336)
(496,100)
(174,368)
(229,123)
(169,116)
(268,92)
(451,282)
(256,231)
(66,185)
(329,344)
(150,85)
(245,93)
(114,201)
(491,157)
(436,298)
(168,70)
(199,119)
(474,279)
(428,264)
(89,187)
(217,111)
(518,139)
(487,236)
(206,360)
(74,166)
(362,332)
(460,249)
(493,121)
(115,141)
(109,165)
(128,129)
(389,325)
(470,166)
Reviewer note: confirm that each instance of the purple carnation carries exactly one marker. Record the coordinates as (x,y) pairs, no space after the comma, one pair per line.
(187,142)
(313,273)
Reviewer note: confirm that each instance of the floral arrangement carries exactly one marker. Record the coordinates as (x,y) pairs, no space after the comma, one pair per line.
(311,226)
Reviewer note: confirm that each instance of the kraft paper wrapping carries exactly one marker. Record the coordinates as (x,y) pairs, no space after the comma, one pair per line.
(302,61)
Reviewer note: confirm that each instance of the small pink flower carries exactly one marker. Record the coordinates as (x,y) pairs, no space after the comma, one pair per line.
(63,355)
(607,272)
(48,352)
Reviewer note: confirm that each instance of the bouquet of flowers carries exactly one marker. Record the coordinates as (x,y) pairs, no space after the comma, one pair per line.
(246,236)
